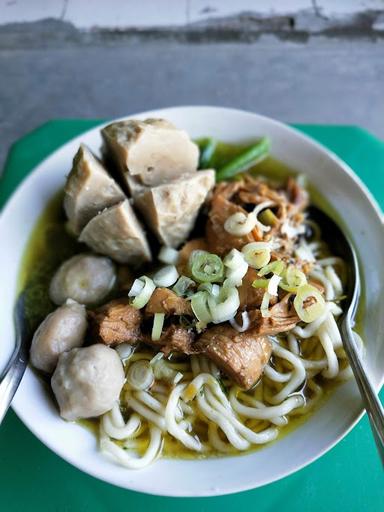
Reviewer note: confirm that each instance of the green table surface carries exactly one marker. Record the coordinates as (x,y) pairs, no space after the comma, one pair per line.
(348,478)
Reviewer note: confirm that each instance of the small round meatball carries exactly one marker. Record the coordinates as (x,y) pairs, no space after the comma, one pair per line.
(60,331)
(85,278)
(87,381)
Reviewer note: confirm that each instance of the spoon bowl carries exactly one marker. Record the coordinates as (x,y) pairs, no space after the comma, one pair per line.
(343,247)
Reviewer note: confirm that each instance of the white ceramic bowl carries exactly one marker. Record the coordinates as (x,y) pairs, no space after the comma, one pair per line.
(213,476)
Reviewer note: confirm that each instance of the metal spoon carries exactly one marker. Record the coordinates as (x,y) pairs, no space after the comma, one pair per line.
(15,370)
(342,246)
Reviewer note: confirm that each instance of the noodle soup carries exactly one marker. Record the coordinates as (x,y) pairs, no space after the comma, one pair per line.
(226,341)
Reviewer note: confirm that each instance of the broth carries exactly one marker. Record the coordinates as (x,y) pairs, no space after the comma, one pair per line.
(50,245)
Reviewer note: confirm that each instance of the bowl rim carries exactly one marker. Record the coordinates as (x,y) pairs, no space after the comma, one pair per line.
(307,140)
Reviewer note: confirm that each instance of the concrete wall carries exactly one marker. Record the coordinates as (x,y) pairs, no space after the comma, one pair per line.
(314,15)
(311,61)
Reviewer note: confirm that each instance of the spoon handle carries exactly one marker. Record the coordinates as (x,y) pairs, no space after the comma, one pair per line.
(10,382)
(15,371)
(369,396)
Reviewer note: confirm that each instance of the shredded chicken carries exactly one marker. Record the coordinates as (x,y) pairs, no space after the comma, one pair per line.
(282,318)
(298,197)
(251,297)
(166,301)
(242,356)
(242,196)
(116,322)
(175,339)
(219,240)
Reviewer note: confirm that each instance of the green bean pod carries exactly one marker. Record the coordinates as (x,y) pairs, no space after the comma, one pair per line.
(207,152)
(250,157)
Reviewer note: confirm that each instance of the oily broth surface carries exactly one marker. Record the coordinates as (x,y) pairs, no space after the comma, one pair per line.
(50,245)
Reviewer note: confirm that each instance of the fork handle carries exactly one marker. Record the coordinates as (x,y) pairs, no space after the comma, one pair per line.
(11,381)
(369,396)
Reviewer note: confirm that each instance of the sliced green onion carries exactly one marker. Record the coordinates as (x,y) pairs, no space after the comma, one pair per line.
(212,289)
(240,224)
(183,286)
(293,278)
(207,151)
(273,285)
(245,322)
(178,377)
(287,288)
(258,211)
(137,286)
(225,306)
(199,305)
(156,357)
(206,267)
(163,372)
(158,322)
(275,267)
(166,276)
(257,254)
(268,218)
(233,259)
(142,298)
(236,268)
(260,283)
(168,255)
(140,375)
(125,350)
(247,159)
(264,307)
(313,311)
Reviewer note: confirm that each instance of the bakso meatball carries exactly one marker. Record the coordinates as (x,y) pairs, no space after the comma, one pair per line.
(87,381)
(62,330)
(85,278)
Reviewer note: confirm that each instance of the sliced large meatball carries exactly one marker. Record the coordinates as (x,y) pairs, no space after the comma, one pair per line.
(118,233)
(62,330)
(171,209)
(87,381)
(85,278)
(153,150)
(89,189)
